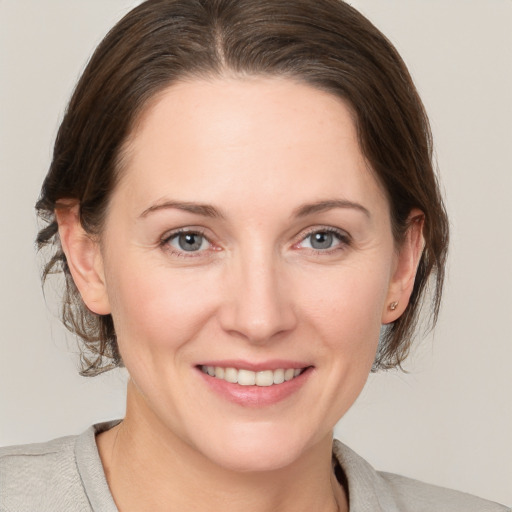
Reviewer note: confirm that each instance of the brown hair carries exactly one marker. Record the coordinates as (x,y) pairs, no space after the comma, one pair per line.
(324,43)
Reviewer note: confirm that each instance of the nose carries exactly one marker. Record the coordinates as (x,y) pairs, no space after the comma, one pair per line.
(258,303)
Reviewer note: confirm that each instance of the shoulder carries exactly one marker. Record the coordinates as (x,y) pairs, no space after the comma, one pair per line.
(421,497)
(372,491)
(41,477)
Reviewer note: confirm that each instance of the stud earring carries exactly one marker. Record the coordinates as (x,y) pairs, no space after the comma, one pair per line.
(393,306)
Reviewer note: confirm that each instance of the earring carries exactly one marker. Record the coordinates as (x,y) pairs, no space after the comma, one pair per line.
(393,306)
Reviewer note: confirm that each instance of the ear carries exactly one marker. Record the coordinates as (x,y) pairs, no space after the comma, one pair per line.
(83,256)
(406,265)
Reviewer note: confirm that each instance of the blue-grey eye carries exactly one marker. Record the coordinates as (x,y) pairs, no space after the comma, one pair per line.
(189,242)
(321,240)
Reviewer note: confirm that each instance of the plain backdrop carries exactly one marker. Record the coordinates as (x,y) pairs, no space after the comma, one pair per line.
(449,420)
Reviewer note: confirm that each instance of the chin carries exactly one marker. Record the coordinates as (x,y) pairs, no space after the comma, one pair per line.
(264,448)
(252,460)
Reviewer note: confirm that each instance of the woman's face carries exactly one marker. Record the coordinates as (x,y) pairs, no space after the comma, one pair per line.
(247,233)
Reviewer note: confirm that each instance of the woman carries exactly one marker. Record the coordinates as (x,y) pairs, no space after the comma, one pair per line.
(240,198)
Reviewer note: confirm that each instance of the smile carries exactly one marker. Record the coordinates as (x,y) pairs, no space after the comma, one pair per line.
(250,378)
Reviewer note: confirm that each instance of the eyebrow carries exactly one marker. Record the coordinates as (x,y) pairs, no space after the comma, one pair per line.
(329,204)
(205,210)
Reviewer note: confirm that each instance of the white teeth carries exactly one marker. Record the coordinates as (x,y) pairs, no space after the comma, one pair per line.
(246,378)
(278,376)
(231,375)
(249,378)
(288,374)
(265,378)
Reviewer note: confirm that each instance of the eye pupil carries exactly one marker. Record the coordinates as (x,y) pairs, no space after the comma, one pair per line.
(190,241)
(321,240)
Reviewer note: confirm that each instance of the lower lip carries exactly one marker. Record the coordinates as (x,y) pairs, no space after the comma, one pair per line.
(256,396)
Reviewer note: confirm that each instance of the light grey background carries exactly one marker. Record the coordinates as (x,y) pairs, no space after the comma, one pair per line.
(449,421)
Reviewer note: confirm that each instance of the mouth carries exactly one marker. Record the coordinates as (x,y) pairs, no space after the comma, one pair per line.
(243,377)
(255,385)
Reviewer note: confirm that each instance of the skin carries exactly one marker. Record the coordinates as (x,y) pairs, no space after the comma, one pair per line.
(257,150)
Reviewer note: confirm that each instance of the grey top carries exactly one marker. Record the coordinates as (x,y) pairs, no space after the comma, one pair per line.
(66,475)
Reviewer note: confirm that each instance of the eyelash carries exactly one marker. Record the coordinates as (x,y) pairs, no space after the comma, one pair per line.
(165,242)
(343,238)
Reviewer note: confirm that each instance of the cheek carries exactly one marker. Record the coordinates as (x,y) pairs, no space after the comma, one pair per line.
(341,308)
(347,300)
(344,309)
(159,308)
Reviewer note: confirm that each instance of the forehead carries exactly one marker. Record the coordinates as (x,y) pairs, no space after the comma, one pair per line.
(246,136)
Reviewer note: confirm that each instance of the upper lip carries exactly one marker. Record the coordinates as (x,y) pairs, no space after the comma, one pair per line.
(239,364)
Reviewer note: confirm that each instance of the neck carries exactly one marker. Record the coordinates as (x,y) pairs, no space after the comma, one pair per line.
(148,468)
